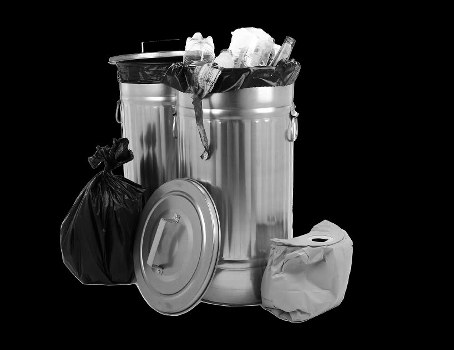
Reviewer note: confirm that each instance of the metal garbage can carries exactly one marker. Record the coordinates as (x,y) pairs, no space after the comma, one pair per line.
(249,176)
(146,111)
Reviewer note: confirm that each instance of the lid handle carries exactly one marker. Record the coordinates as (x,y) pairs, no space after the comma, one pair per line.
(158,42)
(157,238)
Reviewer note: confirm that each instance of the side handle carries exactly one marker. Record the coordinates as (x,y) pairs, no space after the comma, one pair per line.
(118,111)
(174,122)
(292,132)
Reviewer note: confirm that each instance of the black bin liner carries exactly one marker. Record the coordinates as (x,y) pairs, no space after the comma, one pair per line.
(150,71)
(97,235)
(186,78)
(180,76)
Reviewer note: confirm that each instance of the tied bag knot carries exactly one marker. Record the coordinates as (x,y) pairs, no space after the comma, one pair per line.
(113,157)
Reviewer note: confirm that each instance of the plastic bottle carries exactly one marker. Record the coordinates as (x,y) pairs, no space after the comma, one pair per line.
(199,49)
(285,50)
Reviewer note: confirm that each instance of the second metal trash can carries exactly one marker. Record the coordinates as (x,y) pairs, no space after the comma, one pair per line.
(249,175)
(146,111)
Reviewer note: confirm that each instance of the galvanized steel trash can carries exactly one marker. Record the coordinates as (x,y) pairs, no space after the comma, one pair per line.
(146,111)
(249,175)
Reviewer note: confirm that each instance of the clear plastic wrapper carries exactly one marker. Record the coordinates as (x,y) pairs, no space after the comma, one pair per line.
(225,59)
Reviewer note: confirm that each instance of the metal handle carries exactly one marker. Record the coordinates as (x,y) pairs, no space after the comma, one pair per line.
(154,41)
(118,119)
(293,130)
(157,238)
(174,123)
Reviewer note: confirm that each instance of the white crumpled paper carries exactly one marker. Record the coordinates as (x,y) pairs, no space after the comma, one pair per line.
(251,47)
(307,275)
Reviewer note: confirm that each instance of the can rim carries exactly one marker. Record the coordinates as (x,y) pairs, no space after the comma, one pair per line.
(144,55)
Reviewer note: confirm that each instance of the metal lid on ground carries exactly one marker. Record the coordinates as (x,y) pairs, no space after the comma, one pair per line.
(177,246)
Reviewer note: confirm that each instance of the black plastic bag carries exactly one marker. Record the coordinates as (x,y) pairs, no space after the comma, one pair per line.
(204,79)
(144,71)
(97,235)
(180,77)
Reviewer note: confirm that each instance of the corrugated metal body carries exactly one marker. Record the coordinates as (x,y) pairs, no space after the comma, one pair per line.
(249,175)
(147,116)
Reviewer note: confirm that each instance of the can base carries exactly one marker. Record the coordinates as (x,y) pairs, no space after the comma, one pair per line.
(235,287)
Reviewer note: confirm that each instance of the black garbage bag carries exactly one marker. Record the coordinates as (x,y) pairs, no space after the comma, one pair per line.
(181,77)
(144,71)
(204,79)
(97,235)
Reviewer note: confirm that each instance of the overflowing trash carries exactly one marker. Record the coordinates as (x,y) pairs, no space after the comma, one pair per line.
(97,235)
(252,60)
(225,59)
(249,47)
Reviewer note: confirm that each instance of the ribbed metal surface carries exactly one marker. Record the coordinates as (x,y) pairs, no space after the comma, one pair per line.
(147,121)
(250,177)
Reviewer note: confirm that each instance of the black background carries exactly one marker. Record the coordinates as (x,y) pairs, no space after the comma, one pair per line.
(333,176)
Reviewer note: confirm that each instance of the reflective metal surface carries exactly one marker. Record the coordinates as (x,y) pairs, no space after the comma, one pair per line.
(249,176)
(148,121)
(145,55)
(177,246)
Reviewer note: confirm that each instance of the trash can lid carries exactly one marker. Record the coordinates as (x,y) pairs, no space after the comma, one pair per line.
(145,55)
(177,246)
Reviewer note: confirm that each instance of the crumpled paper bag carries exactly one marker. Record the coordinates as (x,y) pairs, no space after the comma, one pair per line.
(307,275)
